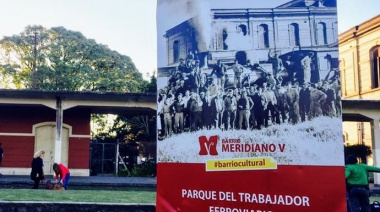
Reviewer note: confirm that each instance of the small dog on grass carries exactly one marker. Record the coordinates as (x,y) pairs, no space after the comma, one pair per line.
(53,186)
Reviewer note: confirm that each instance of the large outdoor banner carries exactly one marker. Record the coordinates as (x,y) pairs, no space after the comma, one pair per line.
(249,110)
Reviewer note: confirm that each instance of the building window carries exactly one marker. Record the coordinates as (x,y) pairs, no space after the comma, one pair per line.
(242,29)
(263,36)
(334,31)
(175,51)
(345,137)
(375,62)
(294,35)
(342,69)
(321,34)
(224,36)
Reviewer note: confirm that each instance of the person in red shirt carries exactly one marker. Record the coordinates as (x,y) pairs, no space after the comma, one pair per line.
(62,173)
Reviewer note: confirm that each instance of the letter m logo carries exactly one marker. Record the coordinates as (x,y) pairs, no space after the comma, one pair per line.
(208,146)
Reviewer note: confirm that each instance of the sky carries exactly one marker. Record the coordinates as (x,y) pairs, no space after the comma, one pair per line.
(126,26)
(129,26)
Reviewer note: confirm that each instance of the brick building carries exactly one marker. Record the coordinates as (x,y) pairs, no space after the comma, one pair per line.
(59,123)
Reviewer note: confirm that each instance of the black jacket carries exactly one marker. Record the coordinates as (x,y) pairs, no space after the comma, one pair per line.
(37,169)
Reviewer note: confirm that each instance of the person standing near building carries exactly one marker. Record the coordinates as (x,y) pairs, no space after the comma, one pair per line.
(251,93)
(168,112)
(304,102)
(270,112)
(238,71)
(213,88)
(317,98)
(192,82)
(62,174)
(178,107)
(290,67)
(357,184)
(280,107)
(328,107)
(292,101)
(244,106)
(37,173)
(230,104)
(338,97)
(273,58)
(190,56)
(195,110)
(306,66)
(219,70)
(259,105)
(217,109)
(207,119)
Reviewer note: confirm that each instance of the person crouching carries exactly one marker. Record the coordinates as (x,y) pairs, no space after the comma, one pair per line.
(62,174)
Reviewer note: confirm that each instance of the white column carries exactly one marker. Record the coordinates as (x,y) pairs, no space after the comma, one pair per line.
(117,158)
(375,131)
(58,132)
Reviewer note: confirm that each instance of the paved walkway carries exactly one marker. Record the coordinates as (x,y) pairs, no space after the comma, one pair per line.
(107,181)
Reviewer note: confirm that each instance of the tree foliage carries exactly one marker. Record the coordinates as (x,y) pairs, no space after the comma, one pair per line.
(359,150)
(137,128)
(151,87)
(64,60)
(136,132)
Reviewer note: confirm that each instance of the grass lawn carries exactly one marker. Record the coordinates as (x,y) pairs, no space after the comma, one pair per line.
(106,196)
(374,198)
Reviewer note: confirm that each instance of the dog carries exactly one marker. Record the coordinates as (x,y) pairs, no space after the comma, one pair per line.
(53,186)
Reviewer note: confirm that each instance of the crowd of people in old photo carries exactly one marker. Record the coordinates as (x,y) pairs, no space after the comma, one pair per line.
(199,98)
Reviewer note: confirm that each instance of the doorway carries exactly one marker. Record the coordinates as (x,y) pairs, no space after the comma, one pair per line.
(241,57)
(45,139)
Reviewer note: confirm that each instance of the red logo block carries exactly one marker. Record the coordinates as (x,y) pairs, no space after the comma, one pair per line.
(208,146)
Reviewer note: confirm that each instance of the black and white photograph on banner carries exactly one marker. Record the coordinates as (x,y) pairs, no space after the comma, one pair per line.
(249,71)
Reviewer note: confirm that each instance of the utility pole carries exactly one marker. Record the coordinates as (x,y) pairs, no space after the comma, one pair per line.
(34,76)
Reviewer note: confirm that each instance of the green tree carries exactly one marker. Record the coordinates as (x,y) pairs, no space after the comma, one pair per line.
(61,59)
(151,87)
(359,150)
(133,131)
(125,128)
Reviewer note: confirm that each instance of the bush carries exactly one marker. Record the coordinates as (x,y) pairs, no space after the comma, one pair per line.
(123,173)
(145,170)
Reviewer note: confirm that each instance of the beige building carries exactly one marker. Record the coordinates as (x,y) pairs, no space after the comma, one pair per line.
(359,58)
(294,28)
